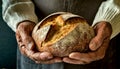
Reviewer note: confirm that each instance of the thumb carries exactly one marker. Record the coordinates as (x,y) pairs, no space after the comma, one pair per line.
(28,41)
(97,41)
(30,45)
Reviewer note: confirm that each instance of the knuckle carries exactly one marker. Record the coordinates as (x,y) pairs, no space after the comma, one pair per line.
(37,62)
(88,62)
(25,38)
(101,56)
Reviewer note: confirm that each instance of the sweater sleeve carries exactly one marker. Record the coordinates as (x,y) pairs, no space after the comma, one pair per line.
(109,11)
(15,11)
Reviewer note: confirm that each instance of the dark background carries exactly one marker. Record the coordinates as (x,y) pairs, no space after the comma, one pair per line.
(7,45)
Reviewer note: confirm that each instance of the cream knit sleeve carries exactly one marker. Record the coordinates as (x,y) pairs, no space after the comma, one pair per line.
(109,11)
(15,11)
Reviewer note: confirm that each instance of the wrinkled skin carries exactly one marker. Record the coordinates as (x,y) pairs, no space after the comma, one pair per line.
(98,46)
(27,45)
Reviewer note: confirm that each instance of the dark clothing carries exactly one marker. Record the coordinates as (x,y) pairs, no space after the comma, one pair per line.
(85,8)
(24,62)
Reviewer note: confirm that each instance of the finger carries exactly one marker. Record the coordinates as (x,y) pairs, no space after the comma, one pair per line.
(91,56)
(73,61)
(28,42)
(80,56)
(97,41)
(46,56)
(20,43)
(29,53)
(22,50)
(42,56)
(18,38)
(54,60)
(24,40)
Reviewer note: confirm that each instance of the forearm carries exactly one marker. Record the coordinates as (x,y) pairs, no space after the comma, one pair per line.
(15,12)
(110,12)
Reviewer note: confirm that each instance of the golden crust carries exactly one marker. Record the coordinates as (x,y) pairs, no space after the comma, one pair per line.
(61,36)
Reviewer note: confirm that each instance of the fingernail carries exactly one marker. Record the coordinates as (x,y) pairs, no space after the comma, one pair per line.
(30,45)
(42,56)
(93,46)
(45,56)
(50,57)
(58,60)
(37,62)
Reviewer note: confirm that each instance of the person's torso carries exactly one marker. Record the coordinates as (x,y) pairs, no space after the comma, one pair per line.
(85,8)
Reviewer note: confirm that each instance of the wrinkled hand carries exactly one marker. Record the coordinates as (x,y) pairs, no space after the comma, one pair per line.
(98,46)
(27,46)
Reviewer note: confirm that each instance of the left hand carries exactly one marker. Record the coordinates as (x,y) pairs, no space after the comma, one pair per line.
(98,46)
(27,46)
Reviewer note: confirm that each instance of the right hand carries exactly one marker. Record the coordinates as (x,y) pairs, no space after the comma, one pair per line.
(98,46)
(27,46)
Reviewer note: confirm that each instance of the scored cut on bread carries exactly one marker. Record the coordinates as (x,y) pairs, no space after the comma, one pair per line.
(62,34)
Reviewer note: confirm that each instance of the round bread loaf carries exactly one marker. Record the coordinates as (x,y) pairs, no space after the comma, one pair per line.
(62,33)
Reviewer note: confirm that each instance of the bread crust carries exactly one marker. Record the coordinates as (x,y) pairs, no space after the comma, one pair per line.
(77,40)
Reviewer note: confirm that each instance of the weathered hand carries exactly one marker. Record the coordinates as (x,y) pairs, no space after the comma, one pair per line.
(98,46)
(27,45)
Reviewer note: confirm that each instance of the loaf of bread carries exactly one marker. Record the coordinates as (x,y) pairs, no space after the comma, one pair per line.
(62,33)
